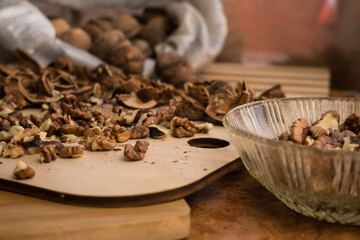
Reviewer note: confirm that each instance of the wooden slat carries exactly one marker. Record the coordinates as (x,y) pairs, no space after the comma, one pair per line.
(267,80)
(295,81)
(268,71)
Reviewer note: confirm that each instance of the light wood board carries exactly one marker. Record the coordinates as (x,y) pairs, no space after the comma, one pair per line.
(171,170)
(295,81)
(24,217)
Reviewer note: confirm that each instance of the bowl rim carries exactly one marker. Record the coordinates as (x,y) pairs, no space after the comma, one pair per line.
(283,144)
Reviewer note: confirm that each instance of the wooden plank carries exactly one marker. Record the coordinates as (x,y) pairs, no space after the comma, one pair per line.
(268,71)
(25,218)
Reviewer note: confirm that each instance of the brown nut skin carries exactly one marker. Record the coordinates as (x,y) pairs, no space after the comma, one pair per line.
(71,152)
(121,134)
(14,151)
(99,143)
(172,68)
(23,172)
(141,146)
(320,142)
(47,154)
(129,58)
(182,127)
(285,136)
(299,130)
(72,129)
(129,25)
(92,132)
(60,25)
(131,153)
(68,102)
(317,131)
(339,136)
(352,122)
(106,42)
(139,132)
(78,38)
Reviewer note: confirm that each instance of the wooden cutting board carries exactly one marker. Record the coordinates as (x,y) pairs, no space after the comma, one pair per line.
(171,170)
(24,217)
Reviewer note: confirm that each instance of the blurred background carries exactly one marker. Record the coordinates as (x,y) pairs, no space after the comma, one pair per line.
(317,33)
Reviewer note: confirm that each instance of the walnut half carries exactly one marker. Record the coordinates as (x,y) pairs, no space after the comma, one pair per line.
(137,152)
(99,143)
(71,152)
(23,171)
(47,154)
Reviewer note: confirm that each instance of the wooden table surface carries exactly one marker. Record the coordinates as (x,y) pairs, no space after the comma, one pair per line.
(238,207)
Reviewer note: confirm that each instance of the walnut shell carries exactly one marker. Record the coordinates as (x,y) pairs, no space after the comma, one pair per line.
(129,25)
(60,25)
(161,22)
(95,27)
(106,42)
(143,46)
(129,58)
(152,34)
(78,38)
(172,68)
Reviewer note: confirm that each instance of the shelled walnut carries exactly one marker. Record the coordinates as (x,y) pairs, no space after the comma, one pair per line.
(71,152)
(326,133)
(99,143)
(47,154)
(23,171)
(182,127)
(137,152)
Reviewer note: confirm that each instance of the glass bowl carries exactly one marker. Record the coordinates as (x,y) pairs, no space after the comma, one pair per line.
(319,183)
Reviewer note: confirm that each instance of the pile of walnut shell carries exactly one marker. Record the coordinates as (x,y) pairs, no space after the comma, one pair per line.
(327,132)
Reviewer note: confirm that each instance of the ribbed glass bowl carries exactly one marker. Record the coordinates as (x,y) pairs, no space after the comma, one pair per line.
(320,183)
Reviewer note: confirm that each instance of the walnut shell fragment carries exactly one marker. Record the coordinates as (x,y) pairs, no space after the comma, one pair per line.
(274,92)
(187,107)
(132,101)
(198,91)
(220,104)
(174,69)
